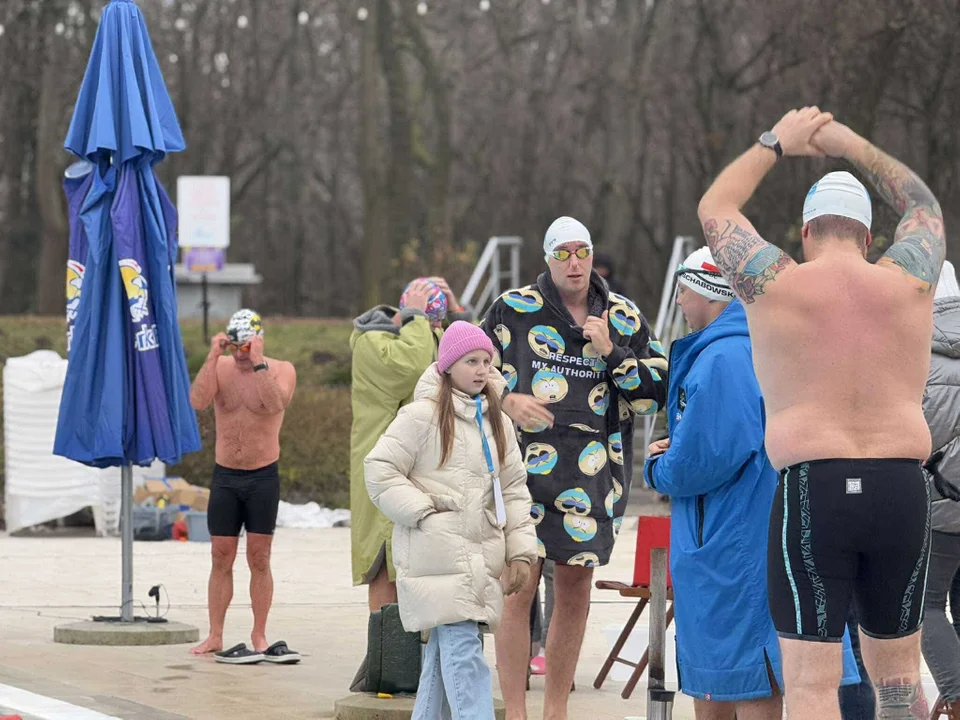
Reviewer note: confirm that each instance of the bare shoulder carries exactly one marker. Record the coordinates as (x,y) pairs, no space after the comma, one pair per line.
(910,275)
(286,367)
(285,374)
(279,366)
(748,262)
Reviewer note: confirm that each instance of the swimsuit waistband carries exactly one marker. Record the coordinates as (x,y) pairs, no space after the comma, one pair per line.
(855,462)
(271,468)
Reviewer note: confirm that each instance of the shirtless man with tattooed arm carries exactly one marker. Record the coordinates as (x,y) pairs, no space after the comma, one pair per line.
(841,349)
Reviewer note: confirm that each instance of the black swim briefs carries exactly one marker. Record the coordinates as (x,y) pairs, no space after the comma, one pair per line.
(845,527)
(247,498)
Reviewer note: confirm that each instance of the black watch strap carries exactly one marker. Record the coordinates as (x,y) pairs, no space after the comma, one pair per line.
(261,366)
(771,141)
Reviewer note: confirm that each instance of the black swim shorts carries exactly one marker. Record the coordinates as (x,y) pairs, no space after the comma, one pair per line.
(845,528)
(247,498)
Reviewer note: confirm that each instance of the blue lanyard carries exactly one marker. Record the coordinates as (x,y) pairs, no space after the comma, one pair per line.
(483,435)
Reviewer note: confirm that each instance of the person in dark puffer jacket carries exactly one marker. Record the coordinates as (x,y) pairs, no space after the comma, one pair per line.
(941,407)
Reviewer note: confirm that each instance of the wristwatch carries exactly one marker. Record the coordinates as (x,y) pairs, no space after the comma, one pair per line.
(261,366)
(770,140)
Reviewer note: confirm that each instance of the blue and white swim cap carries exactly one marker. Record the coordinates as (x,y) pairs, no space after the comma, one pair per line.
(838,193)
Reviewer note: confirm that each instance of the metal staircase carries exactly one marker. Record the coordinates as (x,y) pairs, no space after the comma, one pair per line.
(490,266)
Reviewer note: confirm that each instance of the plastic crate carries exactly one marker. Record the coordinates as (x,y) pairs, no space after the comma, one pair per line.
(153,523)
(197,526)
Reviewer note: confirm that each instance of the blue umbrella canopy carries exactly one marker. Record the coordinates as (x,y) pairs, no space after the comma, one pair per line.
(126,394)
(123,110)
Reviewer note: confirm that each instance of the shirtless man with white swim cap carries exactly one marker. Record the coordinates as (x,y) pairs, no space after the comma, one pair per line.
(841,351)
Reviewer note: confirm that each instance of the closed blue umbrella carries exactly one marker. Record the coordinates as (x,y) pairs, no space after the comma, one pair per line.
(126,397)
(90,426)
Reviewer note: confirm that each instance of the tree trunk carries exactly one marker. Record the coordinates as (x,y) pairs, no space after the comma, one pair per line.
(374,207)
(54,230)
(399,188)
(20,260)
(438,214)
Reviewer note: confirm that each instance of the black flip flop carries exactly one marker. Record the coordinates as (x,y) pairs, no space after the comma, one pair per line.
(280,654)
(239,655)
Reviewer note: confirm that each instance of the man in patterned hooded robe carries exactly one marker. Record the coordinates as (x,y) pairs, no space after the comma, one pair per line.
(580,363)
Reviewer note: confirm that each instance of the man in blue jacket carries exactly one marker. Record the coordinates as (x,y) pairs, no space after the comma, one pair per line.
(715,469)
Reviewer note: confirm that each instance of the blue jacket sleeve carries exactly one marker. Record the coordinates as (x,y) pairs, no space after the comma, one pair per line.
(721,428)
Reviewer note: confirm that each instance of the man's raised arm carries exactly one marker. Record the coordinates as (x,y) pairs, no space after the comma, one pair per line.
(747,261)
(919,245)
(205,386)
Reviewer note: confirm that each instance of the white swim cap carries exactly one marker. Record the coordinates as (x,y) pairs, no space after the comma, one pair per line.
(699,273)
(838,193)
(565,230)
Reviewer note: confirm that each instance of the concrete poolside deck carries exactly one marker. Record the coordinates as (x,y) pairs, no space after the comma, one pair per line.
(47,581)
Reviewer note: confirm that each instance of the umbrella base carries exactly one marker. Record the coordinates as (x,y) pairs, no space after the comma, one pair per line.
(113,632)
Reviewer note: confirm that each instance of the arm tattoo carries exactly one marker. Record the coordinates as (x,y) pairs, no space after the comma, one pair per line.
(919,246)
(901,701)
(747,261)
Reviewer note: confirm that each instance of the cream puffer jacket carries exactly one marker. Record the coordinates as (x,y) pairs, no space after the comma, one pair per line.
(447,547)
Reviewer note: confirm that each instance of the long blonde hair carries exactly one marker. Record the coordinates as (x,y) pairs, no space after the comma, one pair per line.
(446,417)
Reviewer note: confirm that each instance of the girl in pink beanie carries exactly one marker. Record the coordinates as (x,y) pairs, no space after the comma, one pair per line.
(451,478)
(458,340)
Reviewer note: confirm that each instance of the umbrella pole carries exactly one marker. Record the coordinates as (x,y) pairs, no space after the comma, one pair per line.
(126,524)
(659,699)
(206,310)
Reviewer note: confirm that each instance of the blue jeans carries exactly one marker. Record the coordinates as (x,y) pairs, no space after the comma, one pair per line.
(455,680)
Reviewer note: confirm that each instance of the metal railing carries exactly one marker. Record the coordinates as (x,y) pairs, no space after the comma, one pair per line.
(490,266)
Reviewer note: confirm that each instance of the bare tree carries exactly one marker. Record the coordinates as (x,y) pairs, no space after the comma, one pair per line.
(370,140)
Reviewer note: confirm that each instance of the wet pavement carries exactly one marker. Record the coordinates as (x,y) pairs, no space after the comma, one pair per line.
(48,581)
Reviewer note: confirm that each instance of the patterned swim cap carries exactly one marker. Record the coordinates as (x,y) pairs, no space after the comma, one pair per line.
(436,305)
(244,325)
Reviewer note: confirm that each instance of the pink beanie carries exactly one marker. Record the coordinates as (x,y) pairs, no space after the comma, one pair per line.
(458,340)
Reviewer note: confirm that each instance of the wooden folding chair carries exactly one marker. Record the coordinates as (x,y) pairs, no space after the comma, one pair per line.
(940,709)
(629,591)
(653,532)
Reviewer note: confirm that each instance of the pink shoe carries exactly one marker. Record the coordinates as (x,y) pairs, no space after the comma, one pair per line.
(538,665)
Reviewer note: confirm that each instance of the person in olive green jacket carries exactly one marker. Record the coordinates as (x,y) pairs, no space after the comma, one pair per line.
(391,350)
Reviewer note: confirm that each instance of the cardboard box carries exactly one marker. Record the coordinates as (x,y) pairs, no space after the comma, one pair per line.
(177,491)
(193,498)
(157,489)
